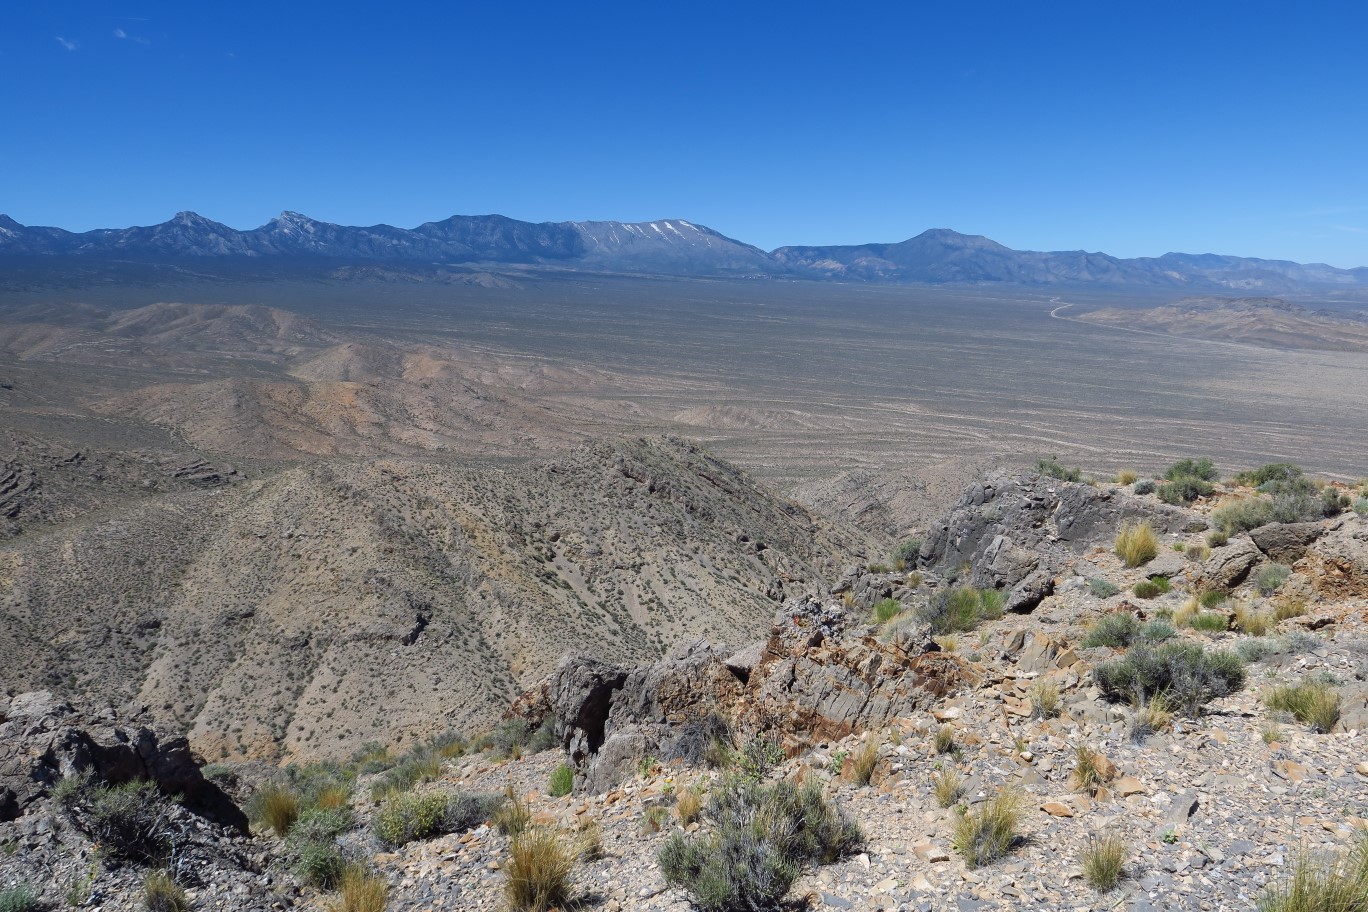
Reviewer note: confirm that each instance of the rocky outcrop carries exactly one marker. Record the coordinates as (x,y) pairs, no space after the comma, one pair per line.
(1016,533)
(1286,542)
(820,675)
(43,740)
(1337,563)
(1229,565)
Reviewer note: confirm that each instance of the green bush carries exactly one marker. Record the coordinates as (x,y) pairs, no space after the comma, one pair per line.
(1117,630)
(886,610)
(1158,630)
(1213,597)
(907,552)
(1054,469)
(960,609)
(319,864)
(1183,674)
(408,817)
(1209,622)
(467,810)
(1184,490)
(1201,469)
(1152,588)
(413,769)
(19,899)
(1273,471)
(1361,506)
(763,835)
(1144,486)
(1100,588)
(562,781)
(1271,577)
(320,825)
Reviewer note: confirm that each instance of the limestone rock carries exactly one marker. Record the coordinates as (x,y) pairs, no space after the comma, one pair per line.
(1286,542)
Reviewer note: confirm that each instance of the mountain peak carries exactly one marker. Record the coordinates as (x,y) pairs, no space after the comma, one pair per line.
(7,222)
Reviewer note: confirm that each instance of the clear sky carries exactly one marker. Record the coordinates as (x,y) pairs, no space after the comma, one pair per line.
(1133,128)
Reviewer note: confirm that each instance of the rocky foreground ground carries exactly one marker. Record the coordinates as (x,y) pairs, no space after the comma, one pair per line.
(1214,810)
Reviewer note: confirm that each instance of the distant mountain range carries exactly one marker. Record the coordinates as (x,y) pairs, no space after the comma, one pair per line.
(664,247)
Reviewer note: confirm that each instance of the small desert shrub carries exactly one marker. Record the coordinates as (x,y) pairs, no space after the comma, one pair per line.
(1184,490)
(562,781)
(1202,469)
(944,741)
(1117,630)
(914,580)
(948,787)
(1054,469)
(960,609)
(589,841)
(1045,702)
(1361,506)
(319,864)
(1186,675)
(886,610)
(422,767)
(360,891)
(866,757)
(1158,630)
(467,810)
(1100,588)
(275,806)
(1271,577)
(948,642)
(1288,608)
(1314,704)
(130,821)
(989,832)
(1127,476)
(1273,471)
(1144,486)
(1319,884)
(1104,860)
(1198,553)
(1150,717)
(906,553)
(1252,621)
(762,838)
(512,816)
(1241,514)
(1087,772)
(688,806)
(540,862)
(1136,544)
(654,818)
(161,893)
(19,899)
(508,740)
(1271,732)
(320,825)
(407,817)
(759,755)
(1217,539)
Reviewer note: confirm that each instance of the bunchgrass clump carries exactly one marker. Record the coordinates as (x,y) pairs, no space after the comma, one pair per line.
(960,609)
(688,806)
(1053,468)
(1127,476)
(761,839)
(654,819)
(360,891)
(538,872)
(1313,703)
(130,822)
(1271,577)
(1209,622)
(944,740)
(948,786)
(1337,883)
(1149,717)
(886,610)
(1117,630)
(988,832)
(405,818)
(1187,676)
(863,761)
(319,864)
(1148,589)
(1213,598)
(1087,775)
(421,767)
(512,816)
(562,781)
(1252,621)
(1045,700)
(161,893)
(1104,861)
(1136,544)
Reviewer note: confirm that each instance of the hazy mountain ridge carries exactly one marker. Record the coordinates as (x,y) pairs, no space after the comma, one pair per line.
(669,247)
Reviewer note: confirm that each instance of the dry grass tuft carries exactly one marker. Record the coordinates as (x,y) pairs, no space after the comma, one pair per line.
(688,806)
(1252,621)
(540,862)
(161,893)
(944,742)
(1150,717)
(1104,861)
(948,786)
(360,891)
(1045,701)
(864,761)
(984,835)
(513,816)
(1335,884)
(1314,704)
(1136,544)
(1127,476)
(1087,772)
(277,807)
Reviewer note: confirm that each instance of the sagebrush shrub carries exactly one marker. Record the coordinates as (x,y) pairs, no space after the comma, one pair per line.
(1184,490)
(1273,471)
(22,898)
(1202,469)
(1185,675)
(763,836)
(1101,588)
(1117,630)
(320,864)
(1053,468)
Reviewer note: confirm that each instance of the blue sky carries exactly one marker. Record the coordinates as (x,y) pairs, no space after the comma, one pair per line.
(1130,128)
